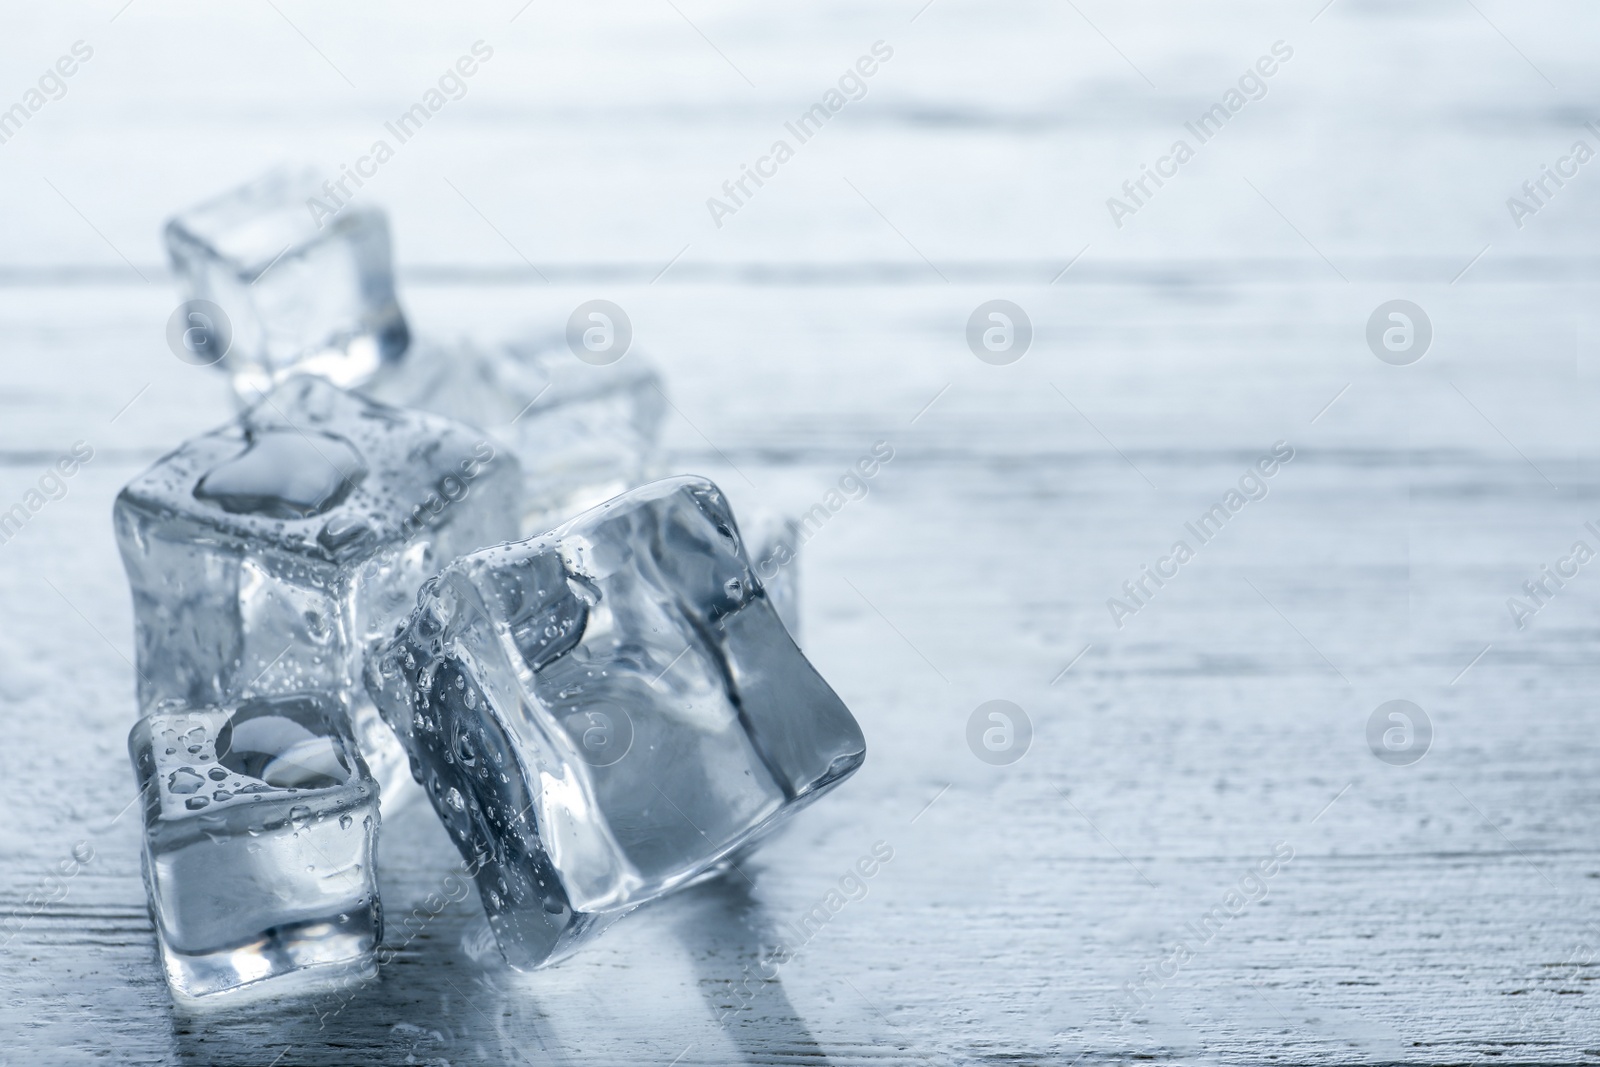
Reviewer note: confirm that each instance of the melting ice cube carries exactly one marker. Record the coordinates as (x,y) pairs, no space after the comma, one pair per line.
(259,821)
(603,713)
(303,292)
(582,433)
(773,540)
(268,556)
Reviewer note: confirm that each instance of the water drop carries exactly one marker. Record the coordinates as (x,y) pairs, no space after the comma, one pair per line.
(184,780)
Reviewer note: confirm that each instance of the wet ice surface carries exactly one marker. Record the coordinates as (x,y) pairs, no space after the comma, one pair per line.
(301,291)
(260,822)
(582,433)
(267,556)
(601,714)
(285,474)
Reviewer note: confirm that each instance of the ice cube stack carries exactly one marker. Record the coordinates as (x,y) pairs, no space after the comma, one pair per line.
(329,593)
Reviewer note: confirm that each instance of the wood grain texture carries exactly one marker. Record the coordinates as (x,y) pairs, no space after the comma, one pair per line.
(1436,913)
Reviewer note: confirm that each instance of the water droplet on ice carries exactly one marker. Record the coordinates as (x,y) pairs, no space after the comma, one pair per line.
(184,780)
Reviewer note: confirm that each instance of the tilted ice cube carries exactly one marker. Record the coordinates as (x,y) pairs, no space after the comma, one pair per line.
(583,433)
(602,713)
(303,291)
(268,556)
(259,823)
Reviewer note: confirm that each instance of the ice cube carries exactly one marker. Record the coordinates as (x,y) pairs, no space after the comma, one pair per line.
(268,556)
(303,291)
(259,824)
(583,433)
(773,541)
(602,713)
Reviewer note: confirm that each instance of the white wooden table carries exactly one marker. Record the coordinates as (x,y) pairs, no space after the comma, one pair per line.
(1441,912)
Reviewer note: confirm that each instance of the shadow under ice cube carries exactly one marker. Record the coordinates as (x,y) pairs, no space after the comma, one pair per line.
(603,713)
(270,555)
(303,293)
(259,824)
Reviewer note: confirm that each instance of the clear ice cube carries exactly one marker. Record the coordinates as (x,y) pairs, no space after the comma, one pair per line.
(303,292)
(583,433)
(603,713)
(773,539)
(259,825)
(270,555)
